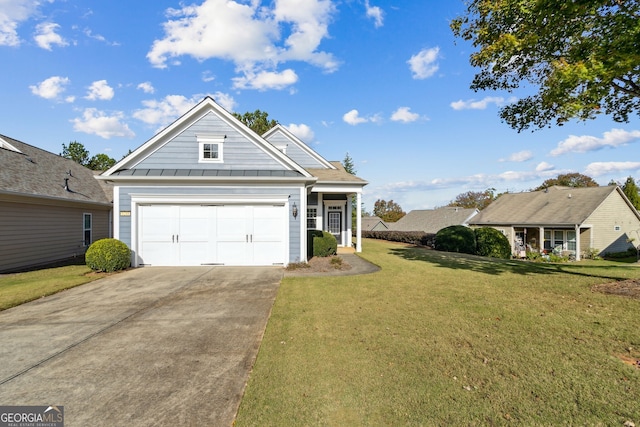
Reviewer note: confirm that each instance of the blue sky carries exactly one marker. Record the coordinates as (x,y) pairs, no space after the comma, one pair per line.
(384,81)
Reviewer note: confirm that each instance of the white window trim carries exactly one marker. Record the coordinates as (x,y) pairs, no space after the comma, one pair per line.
(218,140)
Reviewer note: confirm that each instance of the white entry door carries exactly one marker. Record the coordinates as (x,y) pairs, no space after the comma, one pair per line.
(211,235)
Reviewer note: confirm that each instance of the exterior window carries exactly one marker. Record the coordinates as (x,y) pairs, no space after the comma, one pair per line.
(547,241)
(571,240)
(558,239)
(617,228)
(210,149)
(312,218)
(86,229)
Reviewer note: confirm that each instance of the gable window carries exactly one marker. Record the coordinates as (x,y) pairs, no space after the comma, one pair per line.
(86,229)
(210,148)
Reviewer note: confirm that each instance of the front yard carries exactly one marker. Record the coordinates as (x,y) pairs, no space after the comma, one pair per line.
(447,339)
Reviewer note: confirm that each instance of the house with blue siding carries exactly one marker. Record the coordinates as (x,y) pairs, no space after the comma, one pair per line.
(207,190)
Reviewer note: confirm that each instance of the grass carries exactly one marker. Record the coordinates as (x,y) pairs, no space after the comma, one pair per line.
(448,339)
(16,289)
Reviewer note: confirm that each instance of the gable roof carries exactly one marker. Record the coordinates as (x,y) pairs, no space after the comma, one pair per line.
(337,175)
(369,223)
(29,171)
(555,205)
(433,220)
(279,132)
(204,107)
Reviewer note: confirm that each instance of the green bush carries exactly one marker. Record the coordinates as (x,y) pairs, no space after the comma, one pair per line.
(108,255)
(412,237)
(311,235)
(492,243)
(326,245)
(456,238)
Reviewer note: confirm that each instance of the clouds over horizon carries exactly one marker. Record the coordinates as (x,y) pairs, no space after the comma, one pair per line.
(250,36)
(353,118)
(585,143)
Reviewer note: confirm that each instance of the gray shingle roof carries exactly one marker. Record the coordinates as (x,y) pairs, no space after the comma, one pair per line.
(370,223)
(432,220)
(554,206)
(38,173)
(335,175)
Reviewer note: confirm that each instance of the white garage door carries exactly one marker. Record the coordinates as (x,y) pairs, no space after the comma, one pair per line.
(210,235)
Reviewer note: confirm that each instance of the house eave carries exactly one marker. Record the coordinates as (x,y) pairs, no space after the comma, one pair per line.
(128,179)
(46,200)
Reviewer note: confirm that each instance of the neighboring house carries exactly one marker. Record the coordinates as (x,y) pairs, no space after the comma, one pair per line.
(52,208)
(433,220)
(373,223)
(568,220)
(207,190)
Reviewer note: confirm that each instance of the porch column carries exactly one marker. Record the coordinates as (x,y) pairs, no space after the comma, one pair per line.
(358,222)
(349,223)
(577,228)
(541,242)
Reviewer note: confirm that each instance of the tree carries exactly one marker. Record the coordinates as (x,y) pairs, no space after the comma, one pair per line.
(76,152)
(348,164)
(582,56)
(630,189)
(388,211)
(100,162)
(568,180)
(474,199)
(258,121)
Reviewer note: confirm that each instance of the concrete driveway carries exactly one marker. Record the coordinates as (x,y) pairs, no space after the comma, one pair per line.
(152,346)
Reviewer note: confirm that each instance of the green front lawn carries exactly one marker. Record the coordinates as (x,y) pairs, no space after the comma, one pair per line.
(16,289)
(447,339)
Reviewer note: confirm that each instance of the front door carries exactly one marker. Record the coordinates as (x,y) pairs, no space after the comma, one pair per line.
(335,225)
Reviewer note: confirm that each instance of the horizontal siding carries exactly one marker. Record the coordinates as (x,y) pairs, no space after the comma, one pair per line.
(37,234)
(238,152)
(294,152)
(613,211)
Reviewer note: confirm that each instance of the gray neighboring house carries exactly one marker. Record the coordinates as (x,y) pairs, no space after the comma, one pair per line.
(568,220)
(52,208)
(433,220)
(207,190)
(373,223)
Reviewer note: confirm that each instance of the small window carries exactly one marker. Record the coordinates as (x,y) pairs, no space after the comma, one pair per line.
(86,229)
(210,149)
(617,228)
(312,216)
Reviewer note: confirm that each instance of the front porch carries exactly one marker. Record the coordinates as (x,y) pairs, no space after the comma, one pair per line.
(559,240)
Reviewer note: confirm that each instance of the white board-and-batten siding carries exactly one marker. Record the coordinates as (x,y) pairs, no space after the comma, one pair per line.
(182,151)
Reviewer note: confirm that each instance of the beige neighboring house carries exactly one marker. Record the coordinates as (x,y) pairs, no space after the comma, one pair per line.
(52,208)
(433,220)
(571,221)
(373,223)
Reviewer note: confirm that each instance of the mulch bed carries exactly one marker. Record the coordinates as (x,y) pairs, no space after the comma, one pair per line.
(627,288)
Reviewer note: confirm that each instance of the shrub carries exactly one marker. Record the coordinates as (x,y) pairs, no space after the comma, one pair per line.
(413,237)
(108,255)
(311,235)
(325,246)
(492,243)
(456,238)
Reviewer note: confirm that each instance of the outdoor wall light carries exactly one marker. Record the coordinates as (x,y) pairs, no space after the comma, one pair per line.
(294,210)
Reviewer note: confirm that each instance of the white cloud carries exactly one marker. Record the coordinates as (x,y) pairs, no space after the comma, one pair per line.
(225,100)
(472,104)
(146,87)
(520,156)
(50,88)
(46,35)
(97,122)
(100,90)
(376,13)
(353,118)
(604,168)
(264,80)
(302,131)
(424,63)
(582,144)
(544,166)
(12,14)
(250,35)
(403,114)
(162,113)
(100,38)
(207,76)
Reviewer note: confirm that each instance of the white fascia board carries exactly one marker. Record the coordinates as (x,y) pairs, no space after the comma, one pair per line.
(328,188)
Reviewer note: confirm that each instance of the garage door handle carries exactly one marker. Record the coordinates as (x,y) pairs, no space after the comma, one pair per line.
(177,238)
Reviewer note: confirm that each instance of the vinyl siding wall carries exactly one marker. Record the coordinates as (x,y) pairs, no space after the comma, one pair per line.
(294,152)
(36,234)
(182,152)
(614,212)
(293,192)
